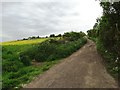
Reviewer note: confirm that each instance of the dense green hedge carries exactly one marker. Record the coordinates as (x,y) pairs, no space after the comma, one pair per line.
(110,59)
(52,50)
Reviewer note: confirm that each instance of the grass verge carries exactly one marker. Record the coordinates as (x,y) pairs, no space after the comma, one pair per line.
(110,60)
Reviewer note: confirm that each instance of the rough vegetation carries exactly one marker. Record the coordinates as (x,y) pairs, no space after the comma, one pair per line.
(106,33)
(18,67)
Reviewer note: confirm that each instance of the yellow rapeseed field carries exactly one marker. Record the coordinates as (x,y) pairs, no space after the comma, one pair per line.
(34,41)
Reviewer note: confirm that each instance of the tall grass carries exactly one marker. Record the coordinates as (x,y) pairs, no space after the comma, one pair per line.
(17,59)
(12,67)
(111,60)
(52,50)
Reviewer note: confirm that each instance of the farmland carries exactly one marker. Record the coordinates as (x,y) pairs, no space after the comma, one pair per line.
(22,42)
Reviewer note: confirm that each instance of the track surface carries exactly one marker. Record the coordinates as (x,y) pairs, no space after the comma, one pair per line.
(83,69)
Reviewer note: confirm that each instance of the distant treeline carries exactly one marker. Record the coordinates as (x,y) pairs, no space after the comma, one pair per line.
(51,35)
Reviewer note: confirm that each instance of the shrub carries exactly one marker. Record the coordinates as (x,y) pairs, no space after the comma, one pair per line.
(11,66)
(44,51)
(9,84)
(25,60)
(53,49)
(16,59)
(71,36)
(110,59)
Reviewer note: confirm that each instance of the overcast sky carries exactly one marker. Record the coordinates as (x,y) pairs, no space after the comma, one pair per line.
(24,19)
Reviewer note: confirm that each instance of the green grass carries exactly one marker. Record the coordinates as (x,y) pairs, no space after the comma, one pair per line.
(11,64)
(16,73)
(24,75)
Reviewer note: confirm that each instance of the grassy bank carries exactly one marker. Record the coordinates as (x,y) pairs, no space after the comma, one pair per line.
(110,59)
(14,72)
(15,80)
(21,63)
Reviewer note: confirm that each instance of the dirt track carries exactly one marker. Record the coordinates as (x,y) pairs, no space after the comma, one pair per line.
(83,69)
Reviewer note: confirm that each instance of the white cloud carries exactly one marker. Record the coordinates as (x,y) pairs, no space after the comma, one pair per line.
(43,17)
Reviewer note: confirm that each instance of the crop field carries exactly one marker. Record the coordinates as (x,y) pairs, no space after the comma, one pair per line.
(22,42)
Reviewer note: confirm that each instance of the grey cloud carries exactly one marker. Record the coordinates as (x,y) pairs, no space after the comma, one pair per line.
(24,19)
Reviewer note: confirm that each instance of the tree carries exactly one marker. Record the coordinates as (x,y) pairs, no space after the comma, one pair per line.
(37,37)
(109,27)
(52,35)
(71,36)
(46,37)
(59,35)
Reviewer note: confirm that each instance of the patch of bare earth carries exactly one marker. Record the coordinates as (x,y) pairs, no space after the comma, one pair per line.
(83,69)
(34,63)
